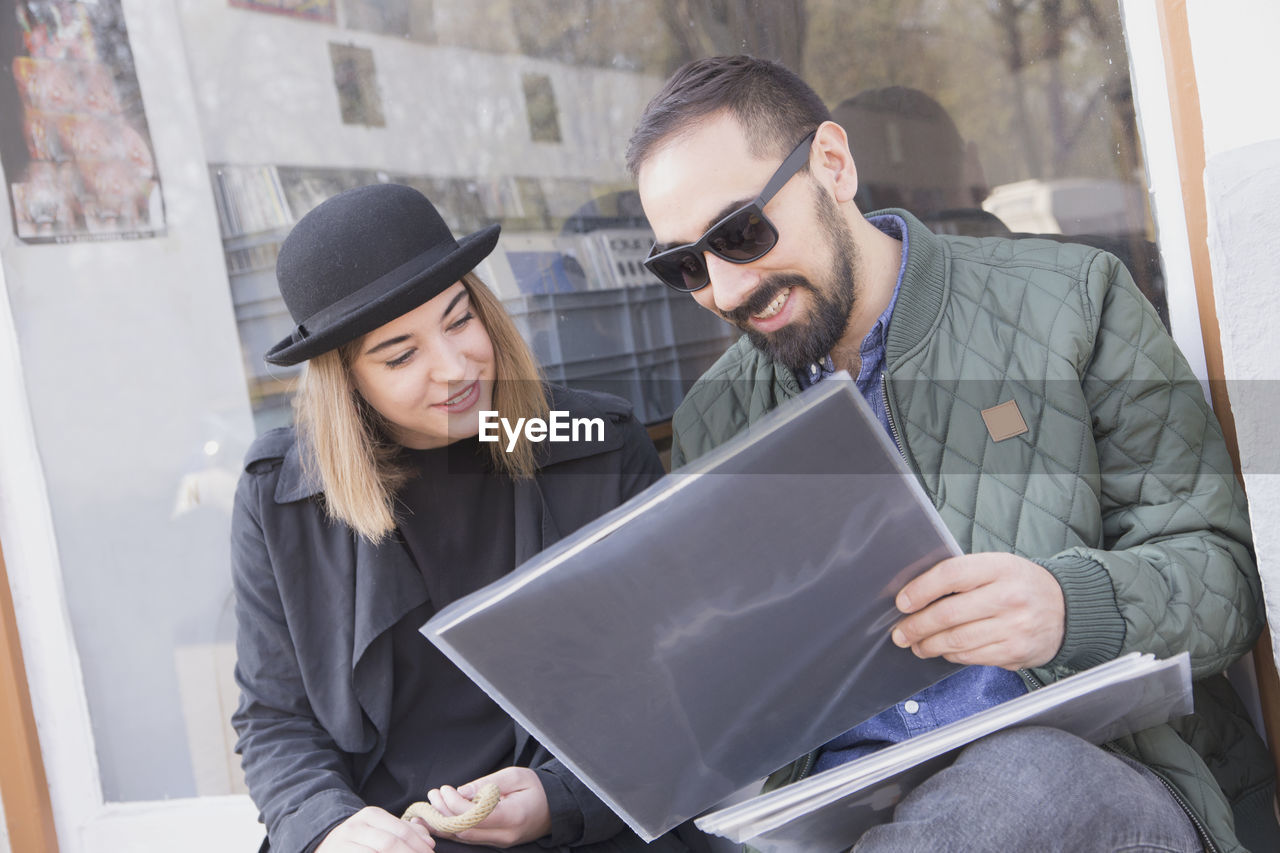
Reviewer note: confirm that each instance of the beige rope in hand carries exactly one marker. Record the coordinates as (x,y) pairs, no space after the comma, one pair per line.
(481,807)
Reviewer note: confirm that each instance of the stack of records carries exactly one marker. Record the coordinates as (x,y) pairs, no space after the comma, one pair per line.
(829,811)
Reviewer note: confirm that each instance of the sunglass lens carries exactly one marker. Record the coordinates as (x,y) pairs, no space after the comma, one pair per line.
(744,237)
(682,270)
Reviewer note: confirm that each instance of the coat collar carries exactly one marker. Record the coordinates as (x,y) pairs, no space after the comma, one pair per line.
(923,294)
(297,482)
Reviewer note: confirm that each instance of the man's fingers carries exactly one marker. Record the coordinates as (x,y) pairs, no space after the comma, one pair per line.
(994,654)
(950,612)
(956,574)
(960,639)
(998,641)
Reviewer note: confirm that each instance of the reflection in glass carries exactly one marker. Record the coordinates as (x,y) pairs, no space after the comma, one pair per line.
(978,117)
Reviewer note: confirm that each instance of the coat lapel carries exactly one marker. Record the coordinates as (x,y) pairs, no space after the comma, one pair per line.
(388,583)
(387,586)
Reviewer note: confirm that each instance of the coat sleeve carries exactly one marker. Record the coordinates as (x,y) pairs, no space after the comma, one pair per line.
(578,816)
(1176,571)
(297,776)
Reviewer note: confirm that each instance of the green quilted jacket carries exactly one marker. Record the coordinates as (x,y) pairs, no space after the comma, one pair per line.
(1121,486)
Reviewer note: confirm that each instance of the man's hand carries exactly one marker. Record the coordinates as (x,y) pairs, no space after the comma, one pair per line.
(521,815)
(992,609)
(371,828)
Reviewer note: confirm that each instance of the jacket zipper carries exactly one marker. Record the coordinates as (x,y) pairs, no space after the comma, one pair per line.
(806,767)
(1201,829)
(888,413)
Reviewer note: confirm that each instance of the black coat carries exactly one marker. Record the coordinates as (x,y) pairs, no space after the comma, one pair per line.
(315,602)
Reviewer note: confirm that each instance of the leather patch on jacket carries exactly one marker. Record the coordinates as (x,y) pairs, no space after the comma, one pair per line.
(1004,421)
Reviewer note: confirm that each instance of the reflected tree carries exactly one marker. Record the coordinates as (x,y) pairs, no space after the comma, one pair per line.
(1052,34)
(770,29)
(1041,87)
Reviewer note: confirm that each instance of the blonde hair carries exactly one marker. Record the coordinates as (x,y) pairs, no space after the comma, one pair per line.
(347,444)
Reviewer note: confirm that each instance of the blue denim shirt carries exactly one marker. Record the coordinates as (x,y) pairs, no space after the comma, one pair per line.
(966,692)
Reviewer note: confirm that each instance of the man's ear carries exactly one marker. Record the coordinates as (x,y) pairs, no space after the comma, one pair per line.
(833,162)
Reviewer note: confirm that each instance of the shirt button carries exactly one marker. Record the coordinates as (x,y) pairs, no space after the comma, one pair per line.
(911,706)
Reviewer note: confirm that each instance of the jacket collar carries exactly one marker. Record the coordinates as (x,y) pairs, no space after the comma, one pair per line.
(923,293)
(297,483)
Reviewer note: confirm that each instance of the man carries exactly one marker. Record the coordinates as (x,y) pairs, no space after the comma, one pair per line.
(1053,423)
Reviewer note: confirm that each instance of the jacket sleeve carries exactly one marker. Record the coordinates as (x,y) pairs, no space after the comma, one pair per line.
(297,776)
(578,816)
(1176,571)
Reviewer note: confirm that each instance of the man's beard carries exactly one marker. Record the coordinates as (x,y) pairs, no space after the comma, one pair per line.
(804,342)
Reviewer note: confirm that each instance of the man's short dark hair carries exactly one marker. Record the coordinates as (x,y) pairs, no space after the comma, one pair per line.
(774,107)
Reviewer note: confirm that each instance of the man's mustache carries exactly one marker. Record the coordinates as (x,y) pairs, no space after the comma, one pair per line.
(762,296)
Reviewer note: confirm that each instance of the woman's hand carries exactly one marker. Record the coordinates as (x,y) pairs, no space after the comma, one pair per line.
(521,815)
(374,829)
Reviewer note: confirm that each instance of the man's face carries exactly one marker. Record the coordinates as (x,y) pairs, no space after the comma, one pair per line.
(794,302)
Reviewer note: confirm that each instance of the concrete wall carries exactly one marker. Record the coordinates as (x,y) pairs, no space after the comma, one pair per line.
(1236,63)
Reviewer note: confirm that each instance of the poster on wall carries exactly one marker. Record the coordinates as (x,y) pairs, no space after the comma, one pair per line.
(74,142)
(312,10)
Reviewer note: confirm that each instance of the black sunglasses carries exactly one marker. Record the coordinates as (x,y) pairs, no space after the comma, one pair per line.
(741,237)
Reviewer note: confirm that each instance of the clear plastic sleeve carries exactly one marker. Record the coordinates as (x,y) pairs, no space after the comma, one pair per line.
(720,624)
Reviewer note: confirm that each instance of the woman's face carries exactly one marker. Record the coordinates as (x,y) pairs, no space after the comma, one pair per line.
(429,372)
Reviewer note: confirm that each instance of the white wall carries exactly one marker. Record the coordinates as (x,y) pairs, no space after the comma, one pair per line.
(1237,65)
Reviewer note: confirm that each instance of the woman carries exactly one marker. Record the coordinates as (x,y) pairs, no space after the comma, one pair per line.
(383,507)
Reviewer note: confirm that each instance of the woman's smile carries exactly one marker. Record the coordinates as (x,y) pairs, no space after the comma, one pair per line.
(463,400)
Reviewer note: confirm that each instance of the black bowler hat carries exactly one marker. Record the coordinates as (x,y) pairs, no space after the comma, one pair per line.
(363,258)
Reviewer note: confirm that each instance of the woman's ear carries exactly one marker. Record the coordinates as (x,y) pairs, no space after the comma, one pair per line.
(834,162)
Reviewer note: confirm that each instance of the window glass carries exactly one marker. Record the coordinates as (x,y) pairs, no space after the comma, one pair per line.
(1003,116)
(980,118)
